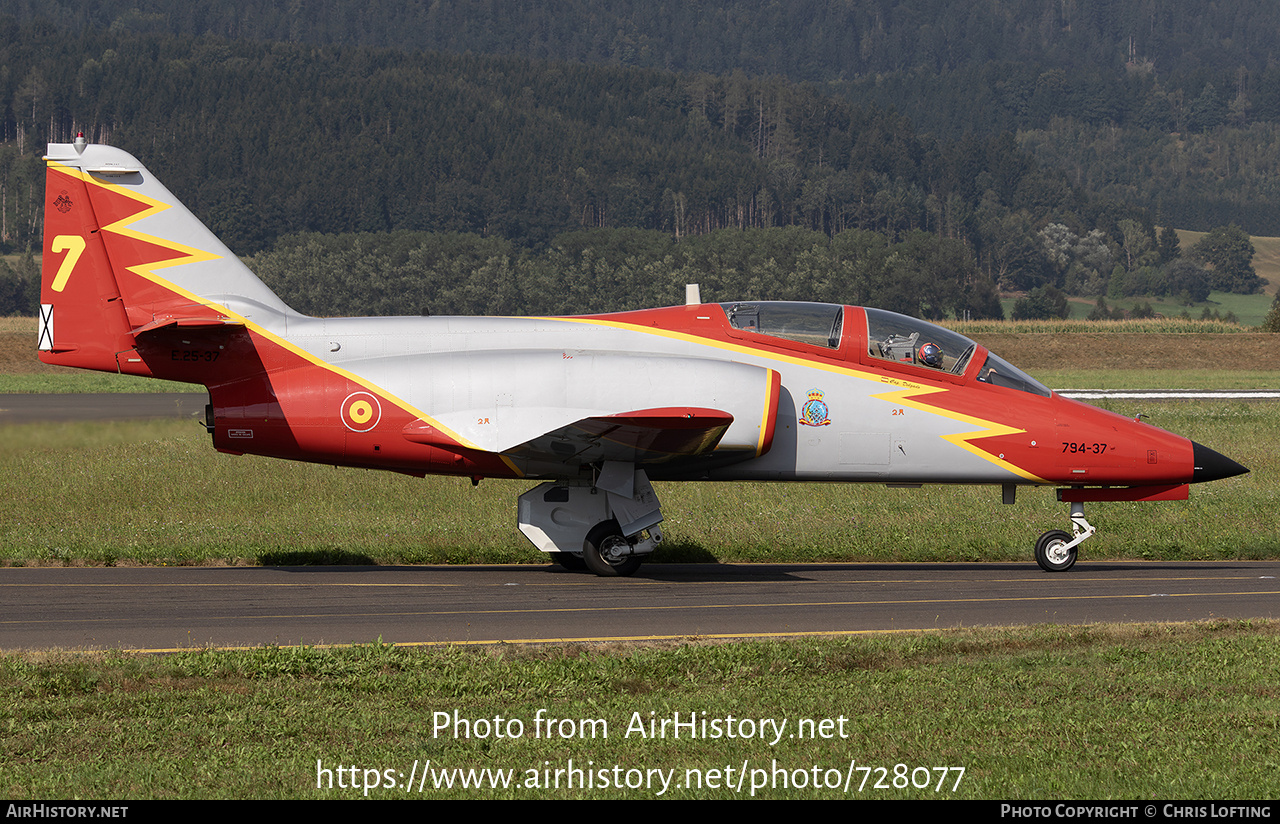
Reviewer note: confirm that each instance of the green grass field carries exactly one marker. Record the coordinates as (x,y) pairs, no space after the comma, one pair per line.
(157,492)
(1250,310)
(75,383)
(1136,712)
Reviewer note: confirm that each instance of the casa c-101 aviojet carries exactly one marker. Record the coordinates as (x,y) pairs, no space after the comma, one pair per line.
(596,406)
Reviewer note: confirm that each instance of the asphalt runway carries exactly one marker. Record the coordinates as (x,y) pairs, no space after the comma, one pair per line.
(163,609)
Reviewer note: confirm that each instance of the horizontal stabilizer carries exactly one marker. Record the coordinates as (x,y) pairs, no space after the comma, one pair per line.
(185,323)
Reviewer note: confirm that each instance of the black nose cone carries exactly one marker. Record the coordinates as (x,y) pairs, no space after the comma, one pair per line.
(1212,466)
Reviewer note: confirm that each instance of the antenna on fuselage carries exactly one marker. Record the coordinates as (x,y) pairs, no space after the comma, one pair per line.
(692,295)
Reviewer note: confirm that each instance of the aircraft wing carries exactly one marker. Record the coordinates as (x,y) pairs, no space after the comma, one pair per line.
(584,408)
(639,437)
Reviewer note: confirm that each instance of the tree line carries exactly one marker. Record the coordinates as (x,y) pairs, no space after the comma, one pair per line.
(609,270)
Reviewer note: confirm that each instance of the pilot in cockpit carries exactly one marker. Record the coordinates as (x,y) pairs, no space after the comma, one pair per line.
(930,355)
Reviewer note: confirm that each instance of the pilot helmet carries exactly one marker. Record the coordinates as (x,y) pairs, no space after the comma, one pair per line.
(931,355)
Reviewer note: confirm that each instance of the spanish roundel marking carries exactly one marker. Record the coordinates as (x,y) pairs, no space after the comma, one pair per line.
(361,411)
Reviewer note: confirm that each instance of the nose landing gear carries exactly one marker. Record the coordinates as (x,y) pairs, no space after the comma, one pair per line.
(1056,549)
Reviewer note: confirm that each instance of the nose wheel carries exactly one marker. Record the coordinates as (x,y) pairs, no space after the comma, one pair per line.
(1056,549)
(1052,552)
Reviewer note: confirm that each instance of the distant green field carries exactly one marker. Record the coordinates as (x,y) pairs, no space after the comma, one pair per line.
(1266,256)
(1250,310)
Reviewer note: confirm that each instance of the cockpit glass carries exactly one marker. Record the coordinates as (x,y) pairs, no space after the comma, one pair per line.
(999,372)
(908,340)
(817,324)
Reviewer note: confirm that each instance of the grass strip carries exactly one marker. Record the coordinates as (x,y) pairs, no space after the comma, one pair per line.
(83,382)
(1186,711)
(156,492)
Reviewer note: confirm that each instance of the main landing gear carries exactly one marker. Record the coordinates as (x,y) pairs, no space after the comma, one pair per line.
(607,527)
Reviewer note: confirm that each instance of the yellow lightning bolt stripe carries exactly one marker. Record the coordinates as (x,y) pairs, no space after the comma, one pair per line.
(901,397)
(192,255)
(988,429)
(123,227)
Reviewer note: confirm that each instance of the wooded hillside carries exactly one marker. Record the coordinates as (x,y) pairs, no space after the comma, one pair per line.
(328,134)
(1070,75)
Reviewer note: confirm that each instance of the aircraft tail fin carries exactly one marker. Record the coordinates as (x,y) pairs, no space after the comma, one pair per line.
(123,257)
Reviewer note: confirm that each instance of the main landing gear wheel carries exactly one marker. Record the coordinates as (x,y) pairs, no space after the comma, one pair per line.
(607,552)
(1051,552)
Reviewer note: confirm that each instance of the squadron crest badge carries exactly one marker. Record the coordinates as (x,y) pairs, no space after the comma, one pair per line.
(815,412)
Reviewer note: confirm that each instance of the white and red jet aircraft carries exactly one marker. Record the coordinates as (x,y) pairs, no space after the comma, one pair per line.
(596,405)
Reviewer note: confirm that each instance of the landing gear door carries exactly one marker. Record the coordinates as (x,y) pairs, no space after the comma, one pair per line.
(555,517)
(638,512)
